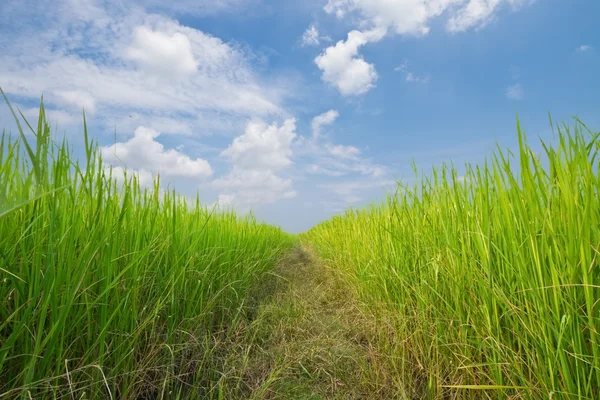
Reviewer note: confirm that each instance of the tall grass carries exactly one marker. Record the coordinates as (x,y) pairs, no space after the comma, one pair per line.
(492,277)
(109,290)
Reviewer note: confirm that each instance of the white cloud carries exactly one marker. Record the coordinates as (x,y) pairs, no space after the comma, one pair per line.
(413,17)
(515,92)
(225,200)
(477,13)
(410,76)
(164,125)
(76,99)
(257,156)
(341,151)
(336,160)
(246,188)
(144,153)
(346,162)
(339,7)
(404,16)
(326,118)
(263,146)
(350,192)
(143,177)
(402,67)
(310,37)
(85,55)
(584,47)
(59,117)
(161,52)
(317,169)
(344,68)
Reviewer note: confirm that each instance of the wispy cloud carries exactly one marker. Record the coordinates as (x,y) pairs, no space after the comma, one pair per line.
(515,92)
(584,48)
(411,77)
(312,37)
(340,161)
(344,152)
(324,119)
(351,192)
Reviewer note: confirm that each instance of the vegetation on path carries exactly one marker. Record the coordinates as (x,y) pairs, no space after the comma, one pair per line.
(309,339)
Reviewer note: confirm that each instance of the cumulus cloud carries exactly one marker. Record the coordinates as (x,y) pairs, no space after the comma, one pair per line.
(263,146)
(344,68)
(144,153)
(515,92)
(225,200)
(257,157)
(114,59)
(477,13)
(413,17)
(143,177)
(246,188)
(162,53)
(319,121)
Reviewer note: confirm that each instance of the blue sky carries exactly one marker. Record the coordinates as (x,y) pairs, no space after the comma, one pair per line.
(299,110)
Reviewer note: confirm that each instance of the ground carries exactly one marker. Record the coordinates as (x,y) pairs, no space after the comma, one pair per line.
(305,337)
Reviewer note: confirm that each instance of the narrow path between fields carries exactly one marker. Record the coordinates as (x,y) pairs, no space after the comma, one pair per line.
(307,339)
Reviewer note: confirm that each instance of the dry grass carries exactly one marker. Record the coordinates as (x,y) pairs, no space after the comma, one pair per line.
(308,339)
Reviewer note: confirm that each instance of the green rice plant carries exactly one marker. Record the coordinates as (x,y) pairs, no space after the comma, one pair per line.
(111,290)
(492,278)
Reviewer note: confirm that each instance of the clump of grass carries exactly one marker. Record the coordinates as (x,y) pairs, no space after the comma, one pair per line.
(110,290)
(493,277)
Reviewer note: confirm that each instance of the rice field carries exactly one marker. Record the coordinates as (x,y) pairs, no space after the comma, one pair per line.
(484,284)
(491,279)
(111,290)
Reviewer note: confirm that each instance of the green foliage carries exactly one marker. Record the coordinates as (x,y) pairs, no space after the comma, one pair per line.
(493,276)
(107,289)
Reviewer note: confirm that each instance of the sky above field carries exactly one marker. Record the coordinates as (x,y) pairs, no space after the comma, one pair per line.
(299,109)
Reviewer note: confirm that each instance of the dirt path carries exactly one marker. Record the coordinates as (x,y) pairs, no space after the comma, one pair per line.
(306,339)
